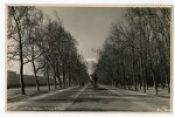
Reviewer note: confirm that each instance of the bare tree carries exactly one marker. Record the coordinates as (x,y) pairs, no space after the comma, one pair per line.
(17,32)
(140,48)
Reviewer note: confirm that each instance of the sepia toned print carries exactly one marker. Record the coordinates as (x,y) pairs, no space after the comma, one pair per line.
(88,59)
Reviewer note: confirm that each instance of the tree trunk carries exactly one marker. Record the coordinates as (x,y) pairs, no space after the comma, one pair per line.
(140,82)
(133,71)
(140,85)
(55,81)
(34,69)
(70,80)
(168,83)
(142,74)
(155,83)
(156,88)
(124,75)
(142,62)
(21,78)
(69,76)
(21,55)
(21,68)
(168,87)
(64,78)
(146,74)
(36,78)
(161,81)
(48,80)
(134,81)
(147,85)
(144,84)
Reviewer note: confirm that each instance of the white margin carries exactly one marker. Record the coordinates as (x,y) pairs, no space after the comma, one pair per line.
(3,4)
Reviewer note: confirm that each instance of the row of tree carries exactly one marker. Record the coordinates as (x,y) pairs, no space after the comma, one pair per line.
(44,42)
(136,53)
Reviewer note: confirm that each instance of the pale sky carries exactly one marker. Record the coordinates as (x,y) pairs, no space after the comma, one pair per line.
(88,25)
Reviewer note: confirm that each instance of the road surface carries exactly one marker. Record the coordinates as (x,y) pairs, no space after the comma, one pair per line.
(89,99)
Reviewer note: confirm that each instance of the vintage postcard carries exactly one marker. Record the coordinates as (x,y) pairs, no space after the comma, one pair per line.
(88,58)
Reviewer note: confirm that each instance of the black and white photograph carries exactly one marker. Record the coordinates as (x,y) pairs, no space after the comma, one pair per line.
(88,58)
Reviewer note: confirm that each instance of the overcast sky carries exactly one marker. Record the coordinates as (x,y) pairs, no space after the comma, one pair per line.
(88,25)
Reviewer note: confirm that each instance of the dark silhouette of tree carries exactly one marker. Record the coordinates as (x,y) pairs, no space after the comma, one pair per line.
(17,33)
(136,53)
(47,45)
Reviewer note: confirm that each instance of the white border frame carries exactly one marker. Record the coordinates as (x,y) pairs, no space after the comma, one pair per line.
(93,3)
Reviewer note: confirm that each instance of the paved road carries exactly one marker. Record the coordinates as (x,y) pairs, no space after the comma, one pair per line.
(88,99)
